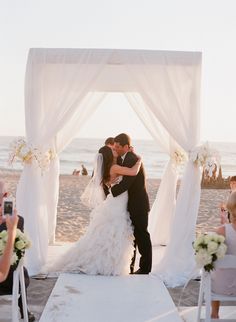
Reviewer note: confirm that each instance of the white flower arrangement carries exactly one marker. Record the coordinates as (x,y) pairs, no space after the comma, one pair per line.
(22,242)
(203,154)
(26,153)
(208,248)
(179,157)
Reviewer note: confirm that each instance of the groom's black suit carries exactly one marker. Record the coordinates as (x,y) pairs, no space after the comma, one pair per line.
(138,207)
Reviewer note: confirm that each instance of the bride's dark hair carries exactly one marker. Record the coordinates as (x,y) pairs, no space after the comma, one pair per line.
(107,163)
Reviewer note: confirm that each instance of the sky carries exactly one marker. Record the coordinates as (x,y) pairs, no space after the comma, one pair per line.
(208,26)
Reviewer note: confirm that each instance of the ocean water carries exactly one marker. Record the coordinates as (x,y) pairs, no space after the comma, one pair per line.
(82,151)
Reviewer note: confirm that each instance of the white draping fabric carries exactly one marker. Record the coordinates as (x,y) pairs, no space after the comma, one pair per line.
(57,104)
(171,90)
(163,208)
(62,88)
(179,252)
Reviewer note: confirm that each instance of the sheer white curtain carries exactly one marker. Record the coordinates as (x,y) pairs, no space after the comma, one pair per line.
(57,103)
(171,90)
(163,208)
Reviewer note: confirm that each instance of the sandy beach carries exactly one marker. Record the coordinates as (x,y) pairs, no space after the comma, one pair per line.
(73,217)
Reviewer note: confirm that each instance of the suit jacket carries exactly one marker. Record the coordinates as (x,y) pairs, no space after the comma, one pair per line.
(138,201)
(6,286)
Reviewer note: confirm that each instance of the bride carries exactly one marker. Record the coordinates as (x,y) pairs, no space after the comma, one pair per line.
(107,246)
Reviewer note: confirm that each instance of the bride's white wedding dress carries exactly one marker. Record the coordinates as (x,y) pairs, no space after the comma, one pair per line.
(107,246)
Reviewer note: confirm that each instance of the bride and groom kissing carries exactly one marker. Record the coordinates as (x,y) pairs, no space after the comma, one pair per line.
(119,220)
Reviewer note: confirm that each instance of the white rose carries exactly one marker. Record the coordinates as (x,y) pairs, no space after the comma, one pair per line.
(196,244)
(221,251)
(221,238)
(19,233)
(214,237)
(212,247)
(23,237)
(198,241)
(203,258)
(20,244)
(3,234)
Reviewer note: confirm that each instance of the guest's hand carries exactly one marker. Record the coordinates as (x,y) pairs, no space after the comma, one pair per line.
(11,222)
(223,214)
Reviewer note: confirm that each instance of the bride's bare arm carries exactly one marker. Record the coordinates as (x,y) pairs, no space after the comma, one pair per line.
(124,171)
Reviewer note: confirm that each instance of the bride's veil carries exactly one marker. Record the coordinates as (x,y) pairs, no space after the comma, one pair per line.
(93,194)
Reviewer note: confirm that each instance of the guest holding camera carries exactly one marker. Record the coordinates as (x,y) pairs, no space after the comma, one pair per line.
(5,259)
(224,280)
(10,223)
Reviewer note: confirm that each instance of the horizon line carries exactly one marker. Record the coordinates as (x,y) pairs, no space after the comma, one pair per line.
(133,138)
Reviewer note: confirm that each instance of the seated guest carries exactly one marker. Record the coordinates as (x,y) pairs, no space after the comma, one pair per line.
(224,280)
(76,172)
(5,259)
(224,214)
(6,286)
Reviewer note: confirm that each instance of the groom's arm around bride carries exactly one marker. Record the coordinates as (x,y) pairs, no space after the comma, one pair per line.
(134,184)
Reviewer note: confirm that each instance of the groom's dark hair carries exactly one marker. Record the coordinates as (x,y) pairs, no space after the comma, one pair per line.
(123,139)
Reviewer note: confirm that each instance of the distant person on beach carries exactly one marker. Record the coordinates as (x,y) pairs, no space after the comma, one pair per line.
(224,213)
(107,246)
(224,280)
(110,142)
(76,172)
(10,224)
(84,171)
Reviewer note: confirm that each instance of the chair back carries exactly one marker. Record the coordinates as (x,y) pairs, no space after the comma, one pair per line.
(205,292)
(17,288)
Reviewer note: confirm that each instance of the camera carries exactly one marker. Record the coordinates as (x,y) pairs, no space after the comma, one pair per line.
(8,206)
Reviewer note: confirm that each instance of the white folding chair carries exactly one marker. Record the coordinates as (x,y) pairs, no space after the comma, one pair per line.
(18,278)
(229,261)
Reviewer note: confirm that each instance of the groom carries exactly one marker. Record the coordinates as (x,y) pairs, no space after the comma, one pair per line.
(138,203)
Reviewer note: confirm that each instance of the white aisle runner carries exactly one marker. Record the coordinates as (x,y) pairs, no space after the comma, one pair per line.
(133,298)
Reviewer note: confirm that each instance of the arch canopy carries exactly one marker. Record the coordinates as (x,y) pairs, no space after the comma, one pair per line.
(63,87)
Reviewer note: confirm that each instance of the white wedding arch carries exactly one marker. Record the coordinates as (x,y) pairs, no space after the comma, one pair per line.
(63,88)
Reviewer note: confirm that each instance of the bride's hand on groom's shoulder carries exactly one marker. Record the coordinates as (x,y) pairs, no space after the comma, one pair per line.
(131,149)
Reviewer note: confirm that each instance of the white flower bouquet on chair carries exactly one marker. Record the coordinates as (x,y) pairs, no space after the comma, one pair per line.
(208,248)
(22,242)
